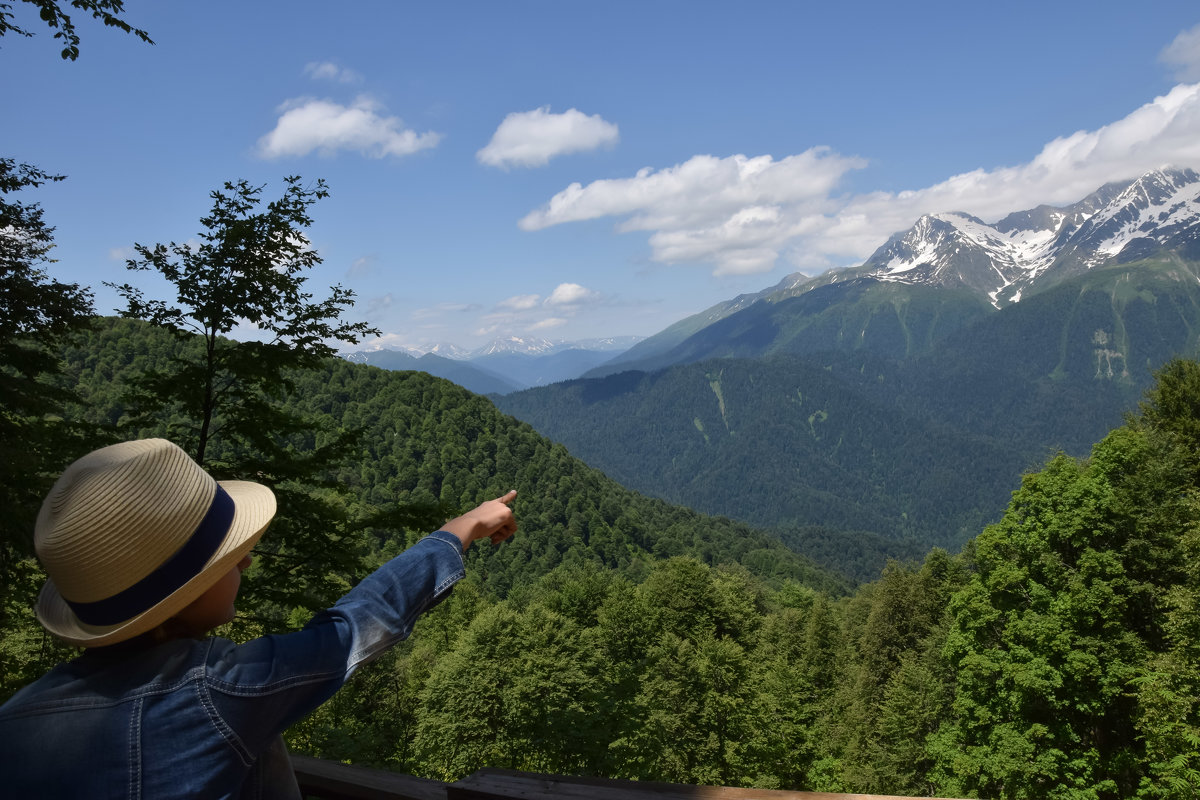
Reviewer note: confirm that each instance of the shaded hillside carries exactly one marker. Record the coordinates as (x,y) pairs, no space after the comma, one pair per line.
(779,441)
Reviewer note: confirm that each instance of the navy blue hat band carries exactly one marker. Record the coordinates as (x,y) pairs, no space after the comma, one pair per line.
(173,573)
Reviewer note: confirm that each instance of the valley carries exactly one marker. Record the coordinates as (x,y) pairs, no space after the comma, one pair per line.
(901,400)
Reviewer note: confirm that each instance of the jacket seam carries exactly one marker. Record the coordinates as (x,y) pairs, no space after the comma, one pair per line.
(135,750)
(220,725)
(231,689)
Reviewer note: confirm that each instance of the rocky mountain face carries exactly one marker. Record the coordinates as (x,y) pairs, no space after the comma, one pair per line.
(1031,250)
(1156,213)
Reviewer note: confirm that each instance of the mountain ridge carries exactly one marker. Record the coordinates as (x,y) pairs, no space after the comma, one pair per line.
(1023,253)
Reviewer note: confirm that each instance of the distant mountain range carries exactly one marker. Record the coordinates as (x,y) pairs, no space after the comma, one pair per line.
(502,365)
(1032,250)
(978,268)
(904,397)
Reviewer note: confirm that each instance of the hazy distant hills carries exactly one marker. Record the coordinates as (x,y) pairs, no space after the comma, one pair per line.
(464,373)
(906,396)
(503,365)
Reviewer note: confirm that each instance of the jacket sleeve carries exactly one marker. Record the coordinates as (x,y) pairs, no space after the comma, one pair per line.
(258,689)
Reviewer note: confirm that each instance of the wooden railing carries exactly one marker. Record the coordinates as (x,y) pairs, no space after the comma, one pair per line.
(328,780)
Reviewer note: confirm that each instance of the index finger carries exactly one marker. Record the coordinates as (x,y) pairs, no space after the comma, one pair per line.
(509,497)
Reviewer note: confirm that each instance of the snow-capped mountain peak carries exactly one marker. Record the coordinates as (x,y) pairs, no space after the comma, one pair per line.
(1159,206)
(952,249)
(1120,222)
(516,344)
(448,350)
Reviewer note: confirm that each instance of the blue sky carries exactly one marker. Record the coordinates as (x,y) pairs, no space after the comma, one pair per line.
(572,170)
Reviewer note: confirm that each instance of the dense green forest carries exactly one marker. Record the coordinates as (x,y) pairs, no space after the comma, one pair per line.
(782,442)
(1054,657)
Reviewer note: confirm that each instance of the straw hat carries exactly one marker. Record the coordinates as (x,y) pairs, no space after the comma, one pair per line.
(132,533)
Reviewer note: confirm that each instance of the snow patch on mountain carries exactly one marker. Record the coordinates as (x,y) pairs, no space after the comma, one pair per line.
(447,350)
(1160,210)
(1157,203)
(516,344)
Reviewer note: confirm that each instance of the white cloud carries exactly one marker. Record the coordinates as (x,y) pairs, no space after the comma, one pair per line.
(532,138)
(741,214)
(1183,55)
(735,211)
(528,313)
(328,71)
(566,294)
(486,330)
(1160,133)
(306,125)
(521,302)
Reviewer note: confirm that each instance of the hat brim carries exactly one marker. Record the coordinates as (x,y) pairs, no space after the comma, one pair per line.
(254,507)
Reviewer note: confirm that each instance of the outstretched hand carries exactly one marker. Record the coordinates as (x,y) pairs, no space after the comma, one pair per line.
(492,520)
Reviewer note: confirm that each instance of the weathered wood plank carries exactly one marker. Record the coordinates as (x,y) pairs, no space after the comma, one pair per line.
(329,780)
(501,784)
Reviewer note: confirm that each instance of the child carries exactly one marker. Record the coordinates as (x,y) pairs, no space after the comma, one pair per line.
(144,553)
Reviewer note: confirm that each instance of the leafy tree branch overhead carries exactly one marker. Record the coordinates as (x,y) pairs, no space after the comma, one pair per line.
(54,14)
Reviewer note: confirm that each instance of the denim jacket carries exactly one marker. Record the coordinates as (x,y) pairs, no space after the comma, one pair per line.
(204,718)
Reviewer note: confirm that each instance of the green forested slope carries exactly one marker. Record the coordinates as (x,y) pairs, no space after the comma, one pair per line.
(894,320)
(1061,367)
(779,441)
(890,320)
(429,444)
